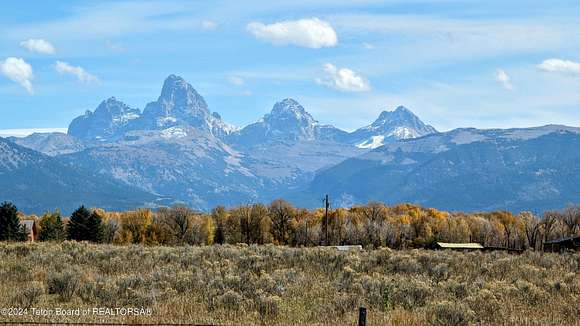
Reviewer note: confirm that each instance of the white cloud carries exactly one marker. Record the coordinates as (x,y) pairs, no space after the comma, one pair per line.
(38,45)
(208,25)
(343,79)
(561,66)
(504,79)
(18,70)
(311,33)
(81,74)
(236,80)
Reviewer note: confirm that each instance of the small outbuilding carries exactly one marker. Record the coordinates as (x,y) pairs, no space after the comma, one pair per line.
(30,229)
(563,244)
(349,248)
(458,246)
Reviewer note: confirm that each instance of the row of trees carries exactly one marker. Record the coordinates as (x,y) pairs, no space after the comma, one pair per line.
(374,224)
(82,225)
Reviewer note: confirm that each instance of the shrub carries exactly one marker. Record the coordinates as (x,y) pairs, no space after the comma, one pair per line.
(440,272)
(29,296)
(268,306)
(64,284)
(409,294)
(530,293)
(344,302)
(19,273)
(231,300)
(486,306)
(449,314)
(458,290)
(270,285)
(102,291)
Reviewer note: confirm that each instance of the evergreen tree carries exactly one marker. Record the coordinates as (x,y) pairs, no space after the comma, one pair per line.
(95,227)
(77,228)
(51,227)
(10,227)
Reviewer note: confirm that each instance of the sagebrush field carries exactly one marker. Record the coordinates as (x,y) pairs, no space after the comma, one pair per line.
(273,285)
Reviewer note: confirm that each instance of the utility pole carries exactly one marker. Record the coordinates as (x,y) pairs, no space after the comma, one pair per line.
(326,206)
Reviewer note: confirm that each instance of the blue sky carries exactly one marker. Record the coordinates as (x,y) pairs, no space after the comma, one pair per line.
(454,63)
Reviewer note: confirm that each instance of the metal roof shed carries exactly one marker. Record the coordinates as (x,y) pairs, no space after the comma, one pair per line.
(459,246)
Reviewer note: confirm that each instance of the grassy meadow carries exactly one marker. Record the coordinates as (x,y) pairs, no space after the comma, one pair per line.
(275,285)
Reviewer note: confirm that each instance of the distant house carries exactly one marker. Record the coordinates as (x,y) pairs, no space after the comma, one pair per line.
(472,246)
(31,229)
(349,248)
(562,244)
(458,246)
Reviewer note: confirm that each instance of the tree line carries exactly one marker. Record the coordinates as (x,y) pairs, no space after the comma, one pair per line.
(372,225)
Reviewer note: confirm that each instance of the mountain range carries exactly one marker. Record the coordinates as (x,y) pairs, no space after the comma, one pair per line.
(463,170)
(177,151)
(37,182)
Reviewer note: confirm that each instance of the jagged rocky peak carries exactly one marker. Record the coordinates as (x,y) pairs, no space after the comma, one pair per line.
(290,107)
(179,105)
(401,115)
(181,96)
(116,110)
(400,123)
(108,119)
(288,113)
(402,119)
(287,122)
(290,116)
(290,120)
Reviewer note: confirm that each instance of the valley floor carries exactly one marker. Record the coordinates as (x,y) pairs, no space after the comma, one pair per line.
(270,285)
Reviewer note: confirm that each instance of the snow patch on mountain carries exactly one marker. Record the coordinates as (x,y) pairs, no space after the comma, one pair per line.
(123,119)
(173,132)
(404,133)
(374,142)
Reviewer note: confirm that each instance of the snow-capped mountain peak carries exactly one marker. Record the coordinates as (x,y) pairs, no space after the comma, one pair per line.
(181,105)
(400,116)
(287,122)
(108,118)
(290,111)
(400,123)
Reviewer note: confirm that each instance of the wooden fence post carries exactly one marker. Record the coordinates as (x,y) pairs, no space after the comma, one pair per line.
(362,316)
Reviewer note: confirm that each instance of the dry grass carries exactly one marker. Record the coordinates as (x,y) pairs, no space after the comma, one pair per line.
(271,285)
